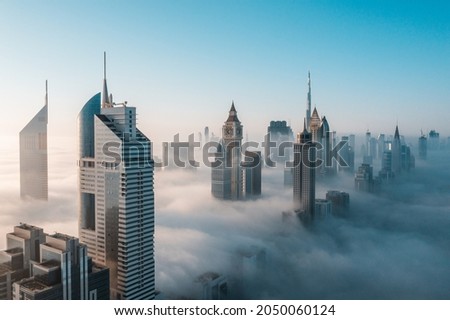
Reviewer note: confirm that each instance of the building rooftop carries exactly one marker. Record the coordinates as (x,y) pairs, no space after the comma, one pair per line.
(14,251)
(63,236)
(33,284)
(207,276)
(29,227)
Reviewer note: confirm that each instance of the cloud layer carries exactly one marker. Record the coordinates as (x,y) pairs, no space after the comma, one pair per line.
(394,245)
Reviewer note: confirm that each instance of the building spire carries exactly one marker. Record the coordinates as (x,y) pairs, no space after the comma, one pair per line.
(46,92)
(308,101)
(232,106)
(397,134)
(106,103)
(232,114)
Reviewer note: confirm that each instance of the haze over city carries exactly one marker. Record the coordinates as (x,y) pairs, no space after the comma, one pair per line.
(182,64)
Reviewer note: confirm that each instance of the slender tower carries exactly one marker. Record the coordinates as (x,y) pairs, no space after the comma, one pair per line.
(396,153)
(304,174)
(314,124)
(33,155)
(308,103)
(116,196)
(232,138)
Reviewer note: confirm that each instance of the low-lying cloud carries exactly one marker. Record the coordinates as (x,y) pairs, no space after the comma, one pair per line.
(393,245)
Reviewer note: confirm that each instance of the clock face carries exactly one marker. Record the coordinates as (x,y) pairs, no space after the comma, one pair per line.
(228,131)
(238,131)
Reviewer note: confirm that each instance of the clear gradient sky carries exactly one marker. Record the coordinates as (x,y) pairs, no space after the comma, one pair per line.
(182,62)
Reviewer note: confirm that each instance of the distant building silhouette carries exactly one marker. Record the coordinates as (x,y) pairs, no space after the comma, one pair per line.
(213,286)
(308,103)
(252,174)
(364,178)
(206,134)
(381,145)
(340,202)
(386,173)
(33,156)
(423,147)
(396,153)
(323,208)
(280,133)
(433,140)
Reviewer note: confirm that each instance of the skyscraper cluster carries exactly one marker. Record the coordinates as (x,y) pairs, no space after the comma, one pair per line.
(114,255)
(37,266)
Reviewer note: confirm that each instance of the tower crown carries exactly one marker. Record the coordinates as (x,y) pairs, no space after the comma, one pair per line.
(396,135)
(305,135)
(106,99)
(232,115)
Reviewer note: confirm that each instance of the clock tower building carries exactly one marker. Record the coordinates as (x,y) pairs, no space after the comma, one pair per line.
(232,140)
(228,177)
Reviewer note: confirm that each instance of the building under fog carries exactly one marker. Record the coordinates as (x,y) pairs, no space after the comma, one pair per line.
(252,174)
(304,175)
(213,286)
(227,179)
(433,140)
(423,147)
(323,208)
(281,134)
(33,156)
(340,202)
(117,214)
(364,178)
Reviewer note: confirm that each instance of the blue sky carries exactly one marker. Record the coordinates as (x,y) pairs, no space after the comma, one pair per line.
(182,62)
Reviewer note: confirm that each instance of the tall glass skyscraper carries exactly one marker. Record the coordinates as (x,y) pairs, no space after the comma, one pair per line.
(305,175)
(116,195)
(33,156)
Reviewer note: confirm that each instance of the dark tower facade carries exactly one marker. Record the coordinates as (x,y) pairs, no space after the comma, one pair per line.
(304,174)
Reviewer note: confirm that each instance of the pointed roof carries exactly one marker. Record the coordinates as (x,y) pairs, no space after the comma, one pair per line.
(46,92)
(232,106)
(106,103)
(324,125)
(232,116)
(305,136)
(396,135)
(315,114)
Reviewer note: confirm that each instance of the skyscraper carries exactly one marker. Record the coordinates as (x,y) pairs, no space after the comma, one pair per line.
(396,153)
(227,179)
(304,174)
(381,145)
(364,178)
(252,174)
(116,195)
(423,147)
(314,126)
(206,134)
(326,139)
(308,103)
(33,156)
(340,202)
(280,133)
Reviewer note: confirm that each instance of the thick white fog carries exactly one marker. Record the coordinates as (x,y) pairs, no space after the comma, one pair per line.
(393,245)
